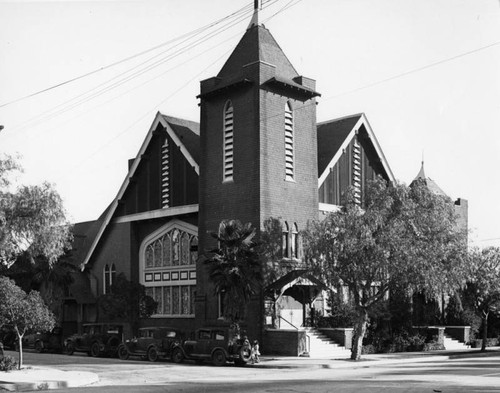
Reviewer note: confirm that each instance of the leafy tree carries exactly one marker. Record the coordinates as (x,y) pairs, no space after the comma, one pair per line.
(235,268)
(483,286)
(127,301)
(402,237)
(25,313)
(32,220)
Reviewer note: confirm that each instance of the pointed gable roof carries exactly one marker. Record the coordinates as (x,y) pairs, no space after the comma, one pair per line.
(335,135)
(257,44)
(185,135)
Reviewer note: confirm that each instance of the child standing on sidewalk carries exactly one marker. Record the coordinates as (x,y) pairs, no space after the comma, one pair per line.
(255,353)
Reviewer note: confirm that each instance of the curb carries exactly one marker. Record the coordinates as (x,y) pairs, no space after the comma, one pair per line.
(32,380)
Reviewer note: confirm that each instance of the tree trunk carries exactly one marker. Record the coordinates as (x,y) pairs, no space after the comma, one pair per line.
(485,332)
(359,333)
(20,351)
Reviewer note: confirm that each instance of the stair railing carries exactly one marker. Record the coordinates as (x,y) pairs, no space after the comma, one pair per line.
(308,338)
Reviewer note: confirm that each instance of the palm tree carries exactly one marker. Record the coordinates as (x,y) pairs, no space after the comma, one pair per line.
(235,268)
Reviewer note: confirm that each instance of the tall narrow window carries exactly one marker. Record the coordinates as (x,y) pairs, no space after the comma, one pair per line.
(289,159)
(165,174)
(284,240)
(109,277)
(228,141)
(356,170)
(294,243)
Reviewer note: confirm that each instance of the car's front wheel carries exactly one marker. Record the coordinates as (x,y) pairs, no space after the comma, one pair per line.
(177,355)
(219,358)
(123,352)
(95,350)
(152,354)
(70,348)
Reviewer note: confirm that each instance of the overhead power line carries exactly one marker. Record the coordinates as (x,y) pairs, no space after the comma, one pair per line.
(247,7)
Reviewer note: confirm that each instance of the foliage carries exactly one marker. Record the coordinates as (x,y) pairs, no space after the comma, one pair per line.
(8,363)
(404,237)
(483,285)
(235,268)
(342,314)
(25,313)
(32,220)
(126,302)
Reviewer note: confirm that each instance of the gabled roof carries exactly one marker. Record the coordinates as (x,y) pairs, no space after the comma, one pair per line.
(185,135)
(257,44)
(335,135)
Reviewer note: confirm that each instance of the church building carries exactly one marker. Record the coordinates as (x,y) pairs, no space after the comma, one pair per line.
(256,154)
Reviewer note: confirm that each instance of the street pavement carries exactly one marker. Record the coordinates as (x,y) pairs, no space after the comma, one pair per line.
(57,375)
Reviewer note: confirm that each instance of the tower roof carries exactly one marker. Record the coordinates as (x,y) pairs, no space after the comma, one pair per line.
(257,45)
(431,184)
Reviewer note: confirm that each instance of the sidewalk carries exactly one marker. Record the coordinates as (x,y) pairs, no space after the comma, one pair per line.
(35,378)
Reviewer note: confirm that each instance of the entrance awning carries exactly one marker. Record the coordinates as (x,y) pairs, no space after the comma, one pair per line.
(295,278)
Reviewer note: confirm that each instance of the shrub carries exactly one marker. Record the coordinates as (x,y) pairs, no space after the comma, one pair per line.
(8,363)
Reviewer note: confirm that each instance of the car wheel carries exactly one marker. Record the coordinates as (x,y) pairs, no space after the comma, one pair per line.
(177,355)
(245,354)
(38,346)
(70,348)
(219,358)
(152,354)
(123,352)
(95,350)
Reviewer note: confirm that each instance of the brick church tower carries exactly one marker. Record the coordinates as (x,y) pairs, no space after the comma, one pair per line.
(258,145)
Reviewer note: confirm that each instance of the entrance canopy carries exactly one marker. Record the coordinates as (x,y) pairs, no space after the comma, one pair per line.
(300,284)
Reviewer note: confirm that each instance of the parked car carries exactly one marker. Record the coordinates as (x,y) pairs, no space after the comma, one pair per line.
(152,343)
(97,339)
(49,341)
(218,345)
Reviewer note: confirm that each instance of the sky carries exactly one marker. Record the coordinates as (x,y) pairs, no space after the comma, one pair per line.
(81,82)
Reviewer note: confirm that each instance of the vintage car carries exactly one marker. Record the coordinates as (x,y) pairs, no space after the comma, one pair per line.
(218,345)
(97,339)
(49,341)
(152,343)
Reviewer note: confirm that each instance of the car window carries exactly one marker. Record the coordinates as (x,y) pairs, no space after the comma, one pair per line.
(219,335)
(145,333)
(204,334)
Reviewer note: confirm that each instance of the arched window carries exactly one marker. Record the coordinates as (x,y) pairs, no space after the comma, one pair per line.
(284,240)
(294,243)
(289,150)
(168,269)
(228,142)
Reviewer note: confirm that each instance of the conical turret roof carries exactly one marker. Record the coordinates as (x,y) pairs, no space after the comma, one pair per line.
(431,184)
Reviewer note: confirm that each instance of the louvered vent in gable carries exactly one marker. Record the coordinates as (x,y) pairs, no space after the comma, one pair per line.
(356,170)
(289,162)
(165,175)
(228,142)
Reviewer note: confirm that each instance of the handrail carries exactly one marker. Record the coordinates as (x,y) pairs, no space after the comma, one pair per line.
(296,328)
(287,321)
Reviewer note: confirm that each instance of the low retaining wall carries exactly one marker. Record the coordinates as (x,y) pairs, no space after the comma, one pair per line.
(284,342)
(342,336)
(431,333)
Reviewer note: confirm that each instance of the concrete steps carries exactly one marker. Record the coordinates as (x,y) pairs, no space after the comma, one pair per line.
(450,343)
(322,347)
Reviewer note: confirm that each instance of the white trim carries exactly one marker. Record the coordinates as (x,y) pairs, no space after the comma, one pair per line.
(179,144)
(327,207)
(157,120)
(361,121)
(160,213)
